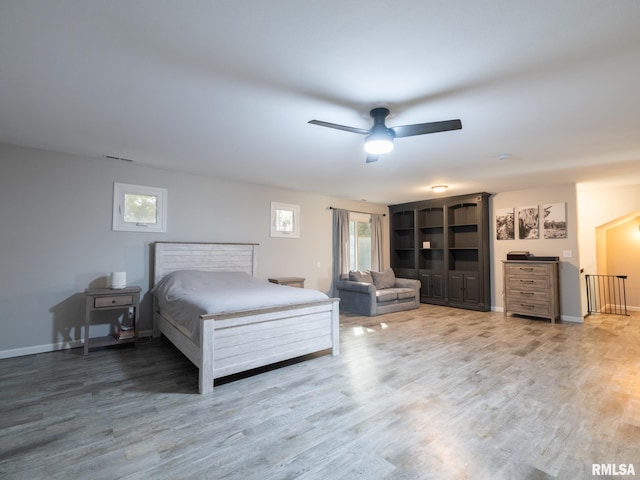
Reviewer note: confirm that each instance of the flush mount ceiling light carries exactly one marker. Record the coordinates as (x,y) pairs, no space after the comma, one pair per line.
(439,188)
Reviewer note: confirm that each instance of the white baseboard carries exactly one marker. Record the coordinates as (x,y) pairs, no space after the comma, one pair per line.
(51,347)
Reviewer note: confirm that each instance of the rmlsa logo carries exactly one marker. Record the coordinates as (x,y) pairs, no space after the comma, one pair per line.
(613,469)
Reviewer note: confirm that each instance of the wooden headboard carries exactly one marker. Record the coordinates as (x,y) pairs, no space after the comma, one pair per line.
(209,257)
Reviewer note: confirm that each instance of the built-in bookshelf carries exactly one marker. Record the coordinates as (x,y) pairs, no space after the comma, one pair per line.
(445,244)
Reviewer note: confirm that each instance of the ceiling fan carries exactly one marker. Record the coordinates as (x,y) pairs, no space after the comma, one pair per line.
(379,140)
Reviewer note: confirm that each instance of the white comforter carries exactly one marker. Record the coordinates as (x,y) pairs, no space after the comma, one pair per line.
(187,294)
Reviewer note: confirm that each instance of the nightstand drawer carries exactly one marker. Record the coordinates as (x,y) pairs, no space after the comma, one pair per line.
(115,301)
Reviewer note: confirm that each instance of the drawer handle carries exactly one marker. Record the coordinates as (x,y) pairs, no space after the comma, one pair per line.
(527,306)
(526,269)
(526,281)
(528,294)
(113,301)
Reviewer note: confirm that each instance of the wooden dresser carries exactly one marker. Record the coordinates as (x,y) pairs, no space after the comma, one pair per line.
(532,288)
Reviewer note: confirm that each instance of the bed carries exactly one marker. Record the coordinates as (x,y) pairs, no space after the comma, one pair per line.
(244,335)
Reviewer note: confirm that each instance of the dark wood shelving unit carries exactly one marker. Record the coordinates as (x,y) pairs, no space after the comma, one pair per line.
(445,244)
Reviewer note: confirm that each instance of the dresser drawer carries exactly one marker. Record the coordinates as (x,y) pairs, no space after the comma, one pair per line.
(528,283)
(527,270)
(529,307)
(524,295)
(115,301)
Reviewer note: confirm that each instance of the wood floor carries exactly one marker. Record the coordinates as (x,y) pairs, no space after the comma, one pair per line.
(434,393)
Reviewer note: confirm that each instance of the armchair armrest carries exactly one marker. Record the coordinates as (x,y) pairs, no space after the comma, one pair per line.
(359,287)
(407,283)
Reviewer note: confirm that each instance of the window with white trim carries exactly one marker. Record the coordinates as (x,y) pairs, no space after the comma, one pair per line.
(137,208)
(359,241)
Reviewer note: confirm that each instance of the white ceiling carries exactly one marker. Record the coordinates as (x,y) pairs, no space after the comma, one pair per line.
(226,88)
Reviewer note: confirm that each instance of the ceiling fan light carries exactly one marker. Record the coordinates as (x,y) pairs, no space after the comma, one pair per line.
(439,188)
(378,147)
(378,142)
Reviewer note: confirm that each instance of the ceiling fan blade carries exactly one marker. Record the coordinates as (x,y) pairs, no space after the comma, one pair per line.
(372,158)
(423,128)
(361,131)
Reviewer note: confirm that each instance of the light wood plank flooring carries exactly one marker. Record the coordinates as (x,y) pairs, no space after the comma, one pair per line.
(434,393)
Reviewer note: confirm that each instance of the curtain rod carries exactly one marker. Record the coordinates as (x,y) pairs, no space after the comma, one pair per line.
(355,211)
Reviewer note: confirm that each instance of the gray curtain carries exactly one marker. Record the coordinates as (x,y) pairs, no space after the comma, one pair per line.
(340,246)
(376,242)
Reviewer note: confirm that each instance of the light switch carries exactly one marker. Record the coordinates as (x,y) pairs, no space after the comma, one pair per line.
(566,253)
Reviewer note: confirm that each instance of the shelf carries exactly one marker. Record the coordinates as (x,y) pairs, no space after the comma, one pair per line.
(108,341)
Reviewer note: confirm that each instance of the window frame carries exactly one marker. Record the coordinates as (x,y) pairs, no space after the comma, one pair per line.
(293,211)
(120,225)
(356,218)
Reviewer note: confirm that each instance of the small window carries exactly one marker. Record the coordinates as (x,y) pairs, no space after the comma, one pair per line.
(139,209)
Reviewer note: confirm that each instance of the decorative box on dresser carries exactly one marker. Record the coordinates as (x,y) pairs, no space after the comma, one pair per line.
(531,288)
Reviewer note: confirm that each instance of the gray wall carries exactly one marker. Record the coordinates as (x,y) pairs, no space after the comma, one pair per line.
(56,238)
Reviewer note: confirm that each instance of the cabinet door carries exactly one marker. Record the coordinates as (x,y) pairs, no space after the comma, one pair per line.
(437,283)
(464,288)
(456,287)
(432,285)
(471,288)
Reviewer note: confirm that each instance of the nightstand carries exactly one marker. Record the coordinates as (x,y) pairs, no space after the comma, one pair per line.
(290,281)
(110,299)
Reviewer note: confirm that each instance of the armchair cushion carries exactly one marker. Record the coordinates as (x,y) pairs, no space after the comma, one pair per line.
(357,276)
(386,295)
(386,279)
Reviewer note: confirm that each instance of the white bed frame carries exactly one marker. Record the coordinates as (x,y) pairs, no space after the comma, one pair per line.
(240,341)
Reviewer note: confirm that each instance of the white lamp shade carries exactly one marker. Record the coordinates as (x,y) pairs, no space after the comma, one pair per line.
(118,280)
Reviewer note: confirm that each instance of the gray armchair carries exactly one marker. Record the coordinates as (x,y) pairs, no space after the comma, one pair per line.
(375,293)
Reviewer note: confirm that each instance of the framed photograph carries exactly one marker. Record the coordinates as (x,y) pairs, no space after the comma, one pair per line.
(528,223)
(285,220)
(555,220)
(505,226)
